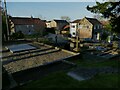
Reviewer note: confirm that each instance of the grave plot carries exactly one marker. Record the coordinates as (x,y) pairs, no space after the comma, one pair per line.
(83,73)
(39,72)
(105,54)
(42,55)
(20,47)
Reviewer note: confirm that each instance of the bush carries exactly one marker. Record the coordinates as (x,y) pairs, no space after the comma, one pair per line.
(104,36)
(17,35)
(5,78)
(50,30)
(115,44)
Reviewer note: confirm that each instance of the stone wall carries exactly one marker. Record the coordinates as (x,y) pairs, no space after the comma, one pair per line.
(85,29)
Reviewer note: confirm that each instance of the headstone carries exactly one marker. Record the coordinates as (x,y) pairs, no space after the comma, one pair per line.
(109,39)
(98,36)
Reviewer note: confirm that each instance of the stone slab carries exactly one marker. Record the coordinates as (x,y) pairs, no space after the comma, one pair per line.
(20,47)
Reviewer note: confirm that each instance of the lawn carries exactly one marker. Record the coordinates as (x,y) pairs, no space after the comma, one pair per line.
(107,63)
(61,80)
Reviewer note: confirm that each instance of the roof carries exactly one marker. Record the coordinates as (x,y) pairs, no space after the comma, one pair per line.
(26,21)
(48,21)
(60,21)
(105,22)
(43,20)
(76,21)
(66,26)
(93,20)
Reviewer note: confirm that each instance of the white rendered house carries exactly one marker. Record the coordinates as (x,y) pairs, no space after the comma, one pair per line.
(73,27)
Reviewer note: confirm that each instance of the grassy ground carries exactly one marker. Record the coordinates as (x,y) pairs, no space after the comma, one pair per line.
(60,79)
(111,63)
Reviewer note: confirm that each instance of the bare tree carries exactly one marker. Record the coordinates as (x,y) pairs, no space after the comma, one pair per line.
(67,18)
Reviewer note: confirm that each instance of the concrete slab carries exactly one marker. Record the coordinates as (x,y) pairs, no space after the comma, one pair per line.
(75,76)
(20,47)
(82,73)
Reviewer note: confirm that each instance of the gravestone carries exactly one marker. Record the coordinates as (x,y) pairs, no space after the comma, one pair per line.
(20,47)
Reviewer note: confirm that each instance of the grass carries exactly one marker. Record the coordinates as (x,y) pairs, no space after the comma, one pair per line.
(62,80)
(109,63)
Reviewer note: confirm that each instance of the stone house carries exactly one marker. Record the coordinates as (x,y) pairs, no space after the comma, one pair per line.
(58,25)
(89,28)
(86,28)
(27,25)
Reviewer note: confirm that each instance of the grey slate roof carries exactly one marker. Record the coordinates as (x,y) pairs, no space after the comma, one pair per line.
(93,20)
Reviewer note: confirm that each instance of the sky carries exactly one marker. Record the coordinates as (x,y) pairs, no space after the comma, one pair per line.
(50,10)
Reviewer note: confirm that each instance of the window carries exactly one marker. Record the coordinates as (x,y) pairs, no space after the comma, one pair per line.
(32,25)
(98,27)
(87,26)
(73,33)
(27,26)
(73,26)
(94,27)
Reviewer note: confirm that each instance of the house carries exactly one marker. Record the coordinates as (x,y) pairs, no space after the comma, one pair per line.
(74,27)
(86,28)
(48,24)
(58,25)
(89,28)
(66,31)
(27,25)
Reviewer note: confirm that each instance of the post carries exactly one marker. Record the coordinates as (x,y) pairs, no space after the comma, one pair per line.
(6,20)
(77,42)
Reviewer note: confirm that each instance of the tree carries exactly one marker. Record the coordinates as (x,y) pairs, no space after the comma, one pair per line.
(98,17)
(110,10)
(108,27)
(67,18)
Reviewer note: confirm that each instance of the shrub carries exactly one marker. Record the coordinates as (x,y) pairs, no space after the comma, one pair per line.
(104,36)
(115,44)
(17,35)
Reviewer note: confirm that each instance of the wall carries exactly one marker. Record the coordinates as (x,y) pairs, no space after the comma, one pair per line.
(85,29)
(26,29)
(53,24)
(48,25)
(73,30)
